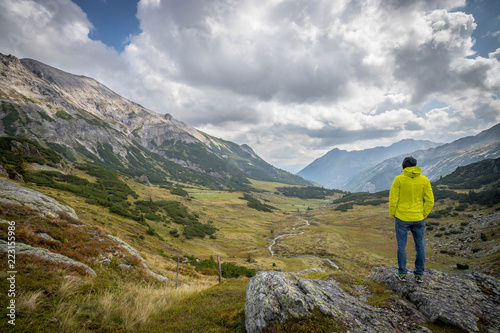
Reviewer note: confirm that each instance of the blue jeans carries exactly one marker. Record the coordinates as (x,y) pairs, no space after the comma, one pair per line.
(417,229)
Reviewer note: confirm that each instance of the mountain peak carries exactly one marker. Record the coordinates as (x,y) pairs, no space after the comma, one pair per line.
(86,121)
(9,60)
(249,150)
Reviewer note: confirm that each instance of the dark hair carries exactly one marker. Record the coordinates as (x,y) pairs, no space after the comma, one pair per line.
(409,162)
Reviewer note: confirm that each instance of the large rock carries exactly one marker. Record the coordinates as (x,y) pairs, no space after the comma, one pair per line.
(465,300)
(274,297)
(45,205)
(45,254)
(468,301)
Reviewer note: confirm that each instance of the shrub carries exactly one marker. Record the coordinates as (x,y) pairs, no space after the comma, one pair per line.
(344,207)
(209,271)
(179,191)
(151,231)
(308,192)
(228,270)
(256,204)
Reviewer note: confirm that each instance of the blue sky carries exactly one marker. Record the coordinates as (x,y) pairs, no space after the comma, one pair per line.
(486,14)
(113,20)
(293,79)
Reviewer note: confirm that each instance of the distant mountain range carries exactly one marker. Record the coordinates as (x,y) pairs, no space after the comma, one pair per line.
(373,170)
(335,168)
(85,121)
(435,162)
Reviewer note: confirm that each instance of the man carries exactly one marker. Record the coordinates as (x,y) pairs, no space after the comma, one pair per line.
(410,201)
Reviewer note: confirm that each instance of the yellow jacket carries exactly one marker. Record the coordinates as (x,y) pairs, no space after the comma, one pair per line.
(411,198)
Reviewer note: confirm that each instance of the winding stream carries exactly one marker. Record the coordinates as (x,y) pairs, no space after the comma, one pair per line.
(304,256)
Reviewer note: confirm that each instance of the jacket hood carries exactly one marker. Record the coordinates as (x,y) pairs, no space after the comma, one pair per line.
(412,171)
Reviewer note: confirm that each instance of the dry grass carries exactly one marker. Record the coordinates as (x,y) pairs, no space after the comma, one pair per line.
(130,307)
(29,301)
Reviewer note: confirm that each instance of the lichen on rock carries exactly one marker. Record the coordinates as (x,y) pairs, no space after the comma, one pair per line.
(459,299)
(467,301)
(45,254)
(274,297)
(15,194)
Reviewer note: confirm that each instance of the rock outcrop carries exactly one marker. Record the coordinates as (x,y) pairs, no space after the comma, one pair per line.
(274,297)
(136,253)
(45,254)
(465,300)
(15,194)
(469,301)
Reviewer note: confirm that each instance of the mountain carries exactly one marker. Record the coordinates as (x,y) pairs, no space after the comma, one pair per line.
(483,174)
(88,123)
(334,169)
(435,162)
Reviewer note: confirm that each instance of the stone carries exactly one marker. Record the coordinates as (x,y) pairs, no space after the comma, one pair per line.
(459,299)
(15,194)
(46,236)
(22,248)
(468,301)
(274,297)
(136,253)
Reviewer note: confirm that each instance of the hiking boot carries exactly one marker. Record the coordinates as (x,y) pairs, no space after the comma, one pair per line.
(419,278)
(401,277)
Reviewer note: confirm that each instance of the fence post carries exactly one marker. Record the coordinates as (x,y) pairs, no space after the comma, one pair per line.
(220,272)
(177,277)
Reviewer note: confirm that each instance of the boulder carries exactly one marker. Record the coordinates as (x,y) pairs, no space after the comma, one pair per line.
(274,297)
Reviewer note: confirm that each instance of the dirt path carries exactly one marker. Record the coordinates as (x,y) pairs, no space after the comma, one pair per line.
(299,232)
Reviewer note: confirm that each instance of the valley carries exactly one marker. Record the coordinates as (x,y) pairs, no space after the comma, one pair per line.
(355,240)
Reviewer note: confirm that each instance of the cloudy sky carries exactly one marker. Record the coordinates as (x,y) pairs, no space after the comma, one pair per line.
(291,78)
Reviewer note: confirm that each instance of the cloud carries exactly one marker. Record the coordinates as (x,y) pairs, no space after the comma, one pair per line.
(293,79)
(55,32)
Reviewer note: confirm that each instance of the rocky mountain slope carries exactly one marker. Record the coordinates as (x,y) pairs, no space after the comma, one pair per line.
(335,168)
(435,162)
(40,207)
(87,122)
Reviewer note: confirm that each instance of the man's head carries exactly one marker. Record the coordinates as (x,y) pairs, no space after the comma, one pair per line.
(409,162)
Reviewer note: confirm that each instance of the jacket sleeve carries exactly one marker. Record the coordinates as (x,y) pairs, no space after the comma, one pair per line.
(394,197)
(428,198)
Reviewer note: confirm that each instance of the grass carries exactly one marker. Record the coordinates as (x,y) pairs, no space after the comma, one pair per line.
(59,298)
(217,309)
(55,299)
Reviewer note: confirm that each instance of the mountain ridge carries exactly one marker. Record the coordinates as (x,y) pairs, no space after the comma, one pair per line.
(87,122)
(333,169)
(435,162)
